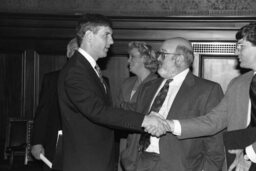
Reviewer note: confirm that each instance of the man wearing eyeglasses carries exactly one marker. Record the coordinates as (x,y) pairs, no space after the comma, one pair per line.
(188,96)
(237,109)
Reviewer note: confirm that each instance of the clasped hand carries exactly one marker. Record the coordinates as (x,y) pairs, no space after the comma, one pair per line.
(156,125)
(239,164)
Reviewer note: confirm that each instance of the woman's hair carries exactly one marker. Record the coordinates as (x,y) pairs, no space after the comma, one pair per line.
(146,52)
(188,54)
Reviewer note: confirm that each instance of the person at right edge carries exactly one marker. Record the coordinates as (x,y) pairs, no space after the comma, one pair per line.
(237,110)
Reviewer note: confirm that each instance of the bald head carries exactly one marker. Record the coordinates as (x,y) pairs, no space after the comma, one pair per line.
(177,41)
(180,45)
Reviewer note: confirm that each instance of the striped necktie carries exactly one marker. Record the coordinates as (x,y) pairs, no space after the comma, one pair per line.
(97,68)
(156,106)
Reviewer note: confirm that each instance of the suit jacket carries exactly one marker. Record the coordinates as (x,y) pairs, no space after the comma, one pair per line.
(47,120)
(127,87)
(88,118)
(230,113)
(195,97)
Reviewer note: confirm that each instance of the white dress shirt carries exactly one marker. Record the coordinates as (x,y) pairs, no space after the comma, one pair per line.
(249,150)
(174,87)
(91,61)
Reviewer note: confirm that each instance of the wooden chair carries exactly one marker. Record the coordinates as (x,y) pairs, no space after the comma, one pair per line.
(18,140)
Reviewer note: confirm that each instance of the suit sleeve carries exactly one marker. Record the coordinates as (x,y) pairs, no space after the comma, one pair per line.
(41,115)
(213,145)
(211,123)
(84,92)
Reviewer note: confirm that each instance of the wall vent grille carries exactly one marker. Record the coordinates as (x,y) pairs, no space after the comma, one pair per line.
(214,47)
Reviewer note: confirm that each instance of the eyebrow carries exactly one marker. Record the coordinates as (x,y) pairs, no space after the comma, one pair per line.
(109,31)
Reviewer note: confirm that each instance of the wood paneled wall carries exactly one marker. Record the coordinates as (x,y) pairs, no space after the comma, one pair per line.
(31,45)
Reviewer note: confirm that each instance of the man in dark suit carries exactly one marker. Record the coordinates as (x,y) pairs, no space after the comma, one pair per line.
(234,112)
(188,96)
(88,117)
(47,120)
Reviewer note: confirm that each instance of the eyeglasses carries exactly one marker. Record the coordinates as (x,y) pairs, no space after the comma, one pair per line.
(242,45)
(163,54)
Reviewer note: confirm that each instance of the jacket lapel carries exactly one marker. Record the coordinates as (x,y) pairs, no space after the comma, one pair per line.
(128,87)
(149,90)
(90,72)
(150,77)
(243,101)
(182,93)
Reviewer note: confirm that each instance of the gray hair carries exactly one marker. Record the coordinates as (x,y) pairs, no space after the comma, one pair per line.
(188,54)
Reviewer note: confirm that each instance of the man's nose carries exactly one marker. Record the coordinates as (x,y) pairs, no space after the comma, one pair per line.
(111,41)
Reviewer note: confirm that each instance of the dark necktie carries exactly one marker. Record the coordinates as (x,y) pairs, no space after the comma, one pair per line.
(253,102)
(100,75)
(157,104)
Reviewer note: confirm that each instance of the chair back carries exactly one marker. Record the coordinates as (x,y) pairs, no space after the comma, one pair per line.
(18,139)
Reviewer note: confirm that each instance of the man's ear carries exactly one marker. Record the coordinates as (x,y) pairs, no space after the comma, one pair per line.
(180,59)
(88,35)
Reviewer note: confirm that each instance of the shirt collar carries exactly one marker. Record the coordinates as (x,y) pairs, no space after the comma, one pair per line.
(179,78)
(88,57)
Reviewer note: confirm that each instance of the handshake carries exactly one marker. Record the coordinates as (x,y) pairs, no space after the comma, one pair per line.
(156,125)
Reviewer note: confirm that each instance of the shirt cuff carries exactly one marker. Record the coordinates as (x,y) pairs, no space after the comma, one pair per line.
(177,128)
(250,153)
